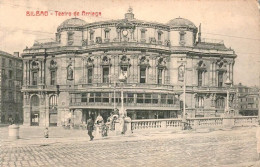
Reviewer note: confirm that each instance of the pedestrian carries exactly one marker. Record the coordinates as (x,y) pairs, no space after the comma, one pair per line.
(46,133)
(122,124)
(258,139)
(90,128)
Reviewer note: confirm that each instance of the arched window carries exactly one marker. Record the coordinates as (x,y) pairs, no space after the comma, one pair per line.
(53,101)
(200,102)
(35,100)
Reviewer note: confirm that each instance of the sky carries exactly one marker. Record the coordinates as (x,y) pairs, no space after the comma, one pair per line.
(237,22)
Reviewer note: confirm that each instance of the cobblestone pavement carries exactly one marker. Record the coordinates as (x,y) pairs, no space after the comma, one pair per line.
(219,148)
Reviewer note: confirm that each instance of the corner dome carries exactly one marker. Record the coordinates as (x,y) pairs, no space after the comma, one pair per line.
(72,23)
(181,22)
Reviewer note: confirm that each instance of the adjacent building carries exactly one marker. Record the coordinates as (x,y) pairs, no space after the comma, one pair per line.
(76,76)
(11,97)
(247,100)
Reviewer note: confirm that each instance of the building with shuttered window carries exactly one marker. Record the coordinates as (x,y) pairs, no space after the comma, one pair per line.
(76,76)
(11,97)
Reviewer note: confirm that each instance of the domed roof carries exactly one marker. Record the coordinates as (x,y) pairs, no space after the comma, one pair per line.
(181,22)
(72,22)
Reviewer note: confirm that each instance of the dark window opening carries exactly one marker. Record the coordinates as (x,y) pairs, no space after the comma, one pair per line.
(142,74)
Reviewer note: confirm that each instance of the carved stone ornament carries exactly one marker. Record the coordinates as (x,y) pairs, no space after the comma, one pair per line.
(70,72)
(124,61)
(90,62)
(53,65)
(221,65)
(143,61)
(98,40)
(106,61)
(35,66)
(181,72)
(201,66)
(161,63)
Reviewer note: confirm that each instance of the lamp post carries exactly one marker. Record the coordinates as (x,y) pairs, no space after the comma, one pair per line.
(122,78)
(228,83)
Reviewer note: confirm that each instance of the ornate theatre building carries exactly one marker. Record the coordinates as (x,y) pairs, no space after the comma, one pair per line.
(77,75)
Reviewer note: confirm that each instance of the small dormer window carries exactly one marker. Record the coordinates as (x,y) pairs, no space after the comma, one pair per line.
(181,37)
(70,38)
(107,34)
(160,35)
(142,34)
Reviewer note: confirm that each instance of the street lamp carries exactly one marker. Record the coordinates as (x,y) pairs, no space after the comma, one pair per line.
(122,78)
(228,83)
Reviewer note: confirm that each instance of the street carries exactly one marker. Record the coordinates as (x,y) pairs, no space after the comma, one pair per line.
(217,148)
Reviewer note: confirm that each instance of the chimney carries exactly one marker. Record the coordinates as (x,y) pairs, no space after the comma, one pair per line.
(199,35)
(16,54)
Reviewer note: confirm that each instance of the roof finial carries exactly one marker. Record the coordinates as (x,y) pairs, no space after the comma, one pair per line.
(130,9)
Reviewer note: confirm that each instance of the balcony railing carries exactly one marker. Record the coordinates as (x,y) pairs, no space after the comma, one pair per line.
(195,123)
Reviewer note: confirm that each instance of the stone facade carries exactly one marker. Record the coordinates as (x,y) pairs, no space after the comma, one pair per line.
(11,77)
(76,76)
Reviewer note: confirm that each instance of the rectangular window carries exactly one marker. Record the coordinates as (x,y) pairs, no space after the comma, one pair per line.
(220,79)
(140,98)
(105,97)
(3,62)
(163,98)
(199,78)
(34,78)
(78,97)
(159,36)
(142,74)
(148,98)
(130,98)
(53,77)
(90,75)
(159,81)
(106,34)
(84,97)
(91,97)
(116,97)
(10,74)
(70,37)
(142,34)
(155,98)
(91,36)
(105,74)
(10,63)
(170,99)
(97,97)
(181,37)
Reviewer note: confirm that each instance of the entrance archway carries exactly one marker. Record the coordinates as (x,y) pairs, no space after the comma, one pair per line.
(35,113)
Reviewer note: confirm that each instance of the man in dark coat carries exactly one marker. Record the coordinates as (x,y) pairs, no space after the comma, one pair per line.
(90,128)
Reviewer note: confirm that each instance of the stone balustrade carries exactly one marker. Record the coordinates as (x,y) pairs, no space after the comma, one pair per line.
(245,121)
(194,123)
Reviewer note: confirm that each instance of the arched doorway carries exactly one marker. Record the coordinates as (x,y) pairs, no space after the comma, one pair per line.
(53,110)
(35,113)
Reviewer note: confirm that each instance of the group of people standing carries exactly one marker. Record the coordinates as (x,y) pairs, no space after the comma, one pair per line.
(109,125)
